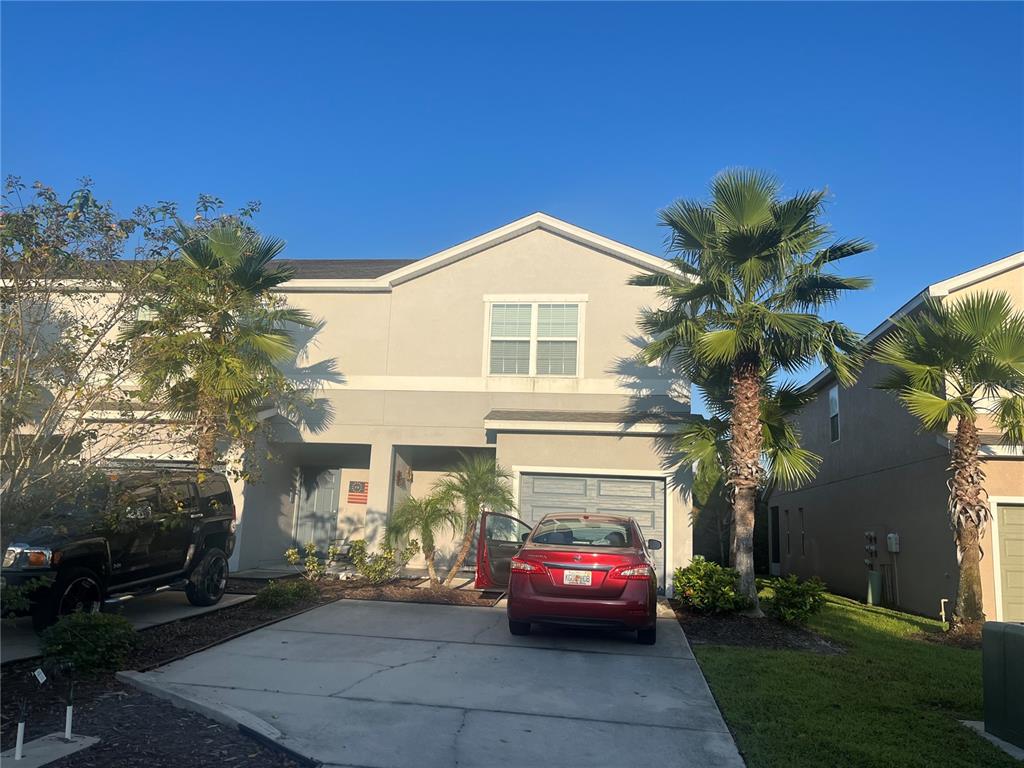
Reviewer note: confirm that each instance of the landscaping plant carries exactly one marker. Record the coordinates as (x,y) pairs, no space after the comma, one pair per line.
(475,483)
(385,564)
(89,642)
(795,601)
(427,516)
(707,587)
(283,593)
(313,567)
(753,270)
(956,363)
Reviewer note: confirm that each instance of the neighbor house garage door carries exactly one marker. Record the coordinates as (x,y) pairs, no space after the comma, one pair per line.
(1010,518)
(642,498)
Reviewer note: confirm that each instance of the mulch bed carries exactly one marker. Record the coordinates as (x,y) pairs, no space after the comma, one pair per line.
(735,629)
(968,637)
(136,729)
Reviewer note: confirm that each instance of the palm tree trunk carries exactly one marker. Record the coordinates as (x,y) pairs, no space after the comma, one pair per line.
(467,542)
(745,471)
(969,513)
(431,570)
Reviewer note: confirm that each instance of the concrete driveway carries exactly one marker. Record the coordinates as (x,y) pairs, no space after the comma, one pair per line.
(401,685)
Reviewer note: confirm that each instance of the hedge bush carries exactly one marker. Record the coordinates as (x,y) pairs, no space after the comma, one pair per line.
(286,593)
(707,587)
(89,642)
(795,601)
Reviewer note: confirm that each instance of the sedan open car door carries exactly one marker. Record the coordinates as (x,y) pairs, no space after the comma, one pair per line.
(500,538)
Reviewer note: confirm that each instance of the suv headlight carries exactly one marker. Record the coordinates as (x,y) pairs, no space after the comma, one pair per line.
(30,557)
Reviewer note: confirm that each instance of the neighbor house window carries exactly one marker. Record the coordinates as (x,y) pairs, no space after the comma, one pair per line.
(534,339)
(833,414)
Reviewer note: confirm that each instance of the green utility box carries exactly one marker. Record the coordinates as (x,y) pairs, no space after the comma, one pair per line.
(1002,661)
(874,587)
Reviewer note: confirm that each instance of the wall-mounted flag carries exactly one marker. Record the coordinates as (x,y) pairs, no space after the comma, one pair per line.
(357,491)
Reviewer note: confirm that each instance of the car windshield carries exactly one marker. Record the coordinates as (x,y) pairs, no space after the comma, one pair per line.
(583,532)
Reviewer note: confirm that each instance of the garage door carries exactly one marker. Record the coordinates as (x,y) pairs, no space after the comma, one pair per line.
(1011,559)
(642,498)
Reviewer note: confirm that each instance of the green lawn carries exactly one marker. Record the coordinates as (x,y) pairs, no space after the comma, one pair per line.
(890,700)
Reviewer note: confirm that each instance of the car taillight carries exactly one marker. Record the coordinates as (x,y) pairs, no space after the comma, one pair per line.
(525,566)
(631,572)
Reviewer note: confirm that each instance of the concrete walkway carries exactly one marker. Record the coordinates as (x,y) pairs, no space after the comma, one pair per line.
(19,641)
(401,685)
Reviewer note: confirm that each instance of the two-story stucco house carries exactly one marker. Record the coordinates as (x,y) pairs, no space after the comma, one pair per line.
(519,343)
(883,475)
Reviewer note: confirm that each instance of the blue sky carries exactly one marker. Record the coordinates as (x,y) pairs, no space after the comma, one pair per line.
(395,130)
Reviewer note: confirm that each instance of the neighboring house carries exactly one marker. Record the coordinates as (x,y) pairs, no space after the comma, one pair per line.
(519,343)
(882,474)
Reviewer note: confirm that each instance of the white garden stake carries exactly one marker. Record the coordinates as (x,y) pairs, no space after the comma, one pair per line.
(21,731)
(67,712)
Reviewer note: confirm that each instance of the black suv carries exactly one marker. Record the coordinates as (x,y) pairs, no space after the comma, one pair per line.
(126,533)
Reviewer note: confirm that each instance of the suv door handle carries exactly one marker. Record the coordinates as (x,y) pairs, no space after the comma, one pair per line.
(194,515)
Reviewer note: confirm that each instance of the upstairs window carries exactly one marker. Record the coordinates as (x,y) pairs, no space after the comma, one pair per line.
(833,414)
(534,339)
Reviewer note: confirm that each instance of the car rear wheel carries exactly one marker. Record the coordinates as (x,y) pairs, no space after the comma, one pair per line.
(519,627)
(76,590)
(209,580)
(647,636)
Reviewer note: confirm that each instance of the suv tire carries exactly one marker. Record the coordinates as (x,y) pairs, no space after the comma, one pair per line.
(209,579)
(76,589)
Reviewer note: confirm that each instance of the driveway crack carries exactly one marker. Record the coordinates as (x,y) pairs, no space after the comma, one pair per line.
(458,733)
(388,668)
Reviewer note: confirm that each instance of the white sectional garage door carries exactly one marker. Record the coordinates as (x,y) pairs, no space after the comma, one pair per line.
(642,498)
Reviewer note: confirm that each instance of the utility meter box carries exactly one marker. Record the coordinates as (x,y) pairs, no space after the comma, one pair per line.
(892,542)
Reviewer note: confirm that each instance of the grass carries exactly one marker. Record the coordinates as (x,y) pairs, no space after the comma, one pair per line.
(891,700)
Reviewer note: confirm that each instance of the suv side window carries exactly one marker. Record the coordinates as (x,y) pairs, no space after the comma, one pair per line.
(177,497)
(216,495)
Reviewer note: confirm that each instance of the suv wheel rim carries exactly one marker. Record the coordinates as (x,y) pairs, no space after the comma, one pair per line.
(216,577)
(82,594)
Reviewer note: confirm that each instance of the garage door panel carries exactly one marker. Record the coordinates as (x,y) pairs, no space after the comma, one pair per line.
(1011,559)
(641,498)
(561,486)
(638,489)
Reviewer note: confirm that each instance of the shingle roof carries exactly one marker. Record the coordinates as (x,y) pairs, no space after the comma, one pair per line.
(341,269)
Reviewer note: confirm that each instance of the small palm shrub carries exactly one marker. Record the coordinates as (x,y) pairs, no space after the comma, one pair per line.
(383,565)
(795,601)
(707,587)
(286,593)
(89,642)
(313,568)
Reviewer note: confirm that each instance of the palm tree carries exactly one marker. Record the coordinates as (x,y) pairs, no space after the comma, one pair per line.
(956,362)
(428,516)
(752,273)
(211,344)
(475,483)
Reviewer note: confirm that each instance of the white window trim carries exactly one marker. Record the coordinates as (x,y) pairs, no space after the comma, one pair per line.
(580,299)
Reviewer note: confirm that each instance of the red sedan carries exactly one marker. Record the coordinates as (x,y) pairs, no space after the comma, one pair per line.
(571,569)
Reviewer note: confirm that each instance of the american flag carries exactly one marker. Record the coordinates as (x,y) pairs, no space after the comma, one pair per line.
(357,491)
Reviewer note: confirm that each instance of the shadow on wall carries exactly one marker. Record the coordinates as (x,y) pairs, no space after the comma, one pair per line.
(309,412)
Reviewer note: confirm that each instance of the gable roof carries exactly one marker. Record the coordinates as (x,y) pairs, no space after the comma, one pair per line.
(935,290)
(364,275)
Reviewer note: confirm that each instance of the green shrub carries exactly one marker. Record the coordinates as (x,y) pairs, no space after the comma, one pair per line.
(89,642)
(708,587)
(383,565)
(286,593)
(314,568)
(795,601)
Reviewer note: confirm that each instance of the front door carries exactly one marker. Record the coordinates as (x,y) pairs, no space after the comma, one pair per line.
(500,538)
(316,513)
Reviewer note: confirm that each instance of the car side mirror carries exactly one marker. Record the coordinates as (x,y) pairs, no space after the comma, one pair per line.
(653,544)
(525,536)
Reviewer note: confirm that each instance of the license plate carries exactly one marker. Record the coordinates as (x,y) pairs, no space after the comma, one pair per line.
(576,578)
